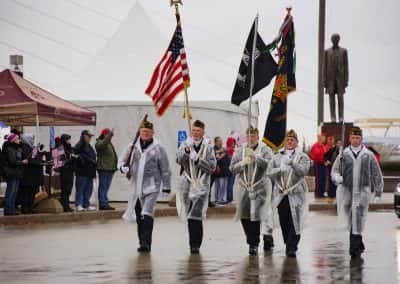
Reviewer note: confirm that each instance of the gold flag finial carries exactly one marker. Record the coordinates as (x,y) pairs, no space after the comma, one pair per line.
(175,2)
(288,9)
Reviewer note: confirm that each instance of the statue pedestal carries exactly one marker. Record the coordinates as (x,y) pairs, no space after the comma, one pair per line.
(335,129)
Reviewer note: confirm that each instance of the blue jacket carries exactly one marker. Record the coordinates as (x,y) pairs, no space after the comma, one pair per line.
(86,163)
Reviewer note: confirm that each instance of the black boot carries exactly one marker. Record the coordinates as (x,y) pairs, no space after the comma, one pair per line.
(194,250)
(290,253)
(195,228)
(140,232)
(147,233)
(356,245)
(268,242)
(253,250)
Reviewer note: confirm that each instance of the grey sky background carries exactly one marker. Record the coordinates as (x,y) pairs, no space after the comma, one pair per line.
(70,46)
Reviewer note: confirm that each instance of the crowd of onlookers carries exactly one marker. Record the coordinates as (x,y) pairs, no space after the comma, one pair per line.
(23,165)
(323,153)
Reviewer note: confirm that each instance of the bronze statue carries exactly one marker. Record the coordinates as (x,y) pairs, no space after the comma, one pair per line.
(336,75)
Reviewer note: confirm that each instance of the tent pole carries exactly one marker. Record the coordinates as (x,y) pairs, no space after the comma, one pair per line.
(37,130)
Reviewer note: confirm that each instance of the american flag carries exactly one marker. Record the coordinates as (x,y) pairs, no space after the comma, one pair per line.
(171,74)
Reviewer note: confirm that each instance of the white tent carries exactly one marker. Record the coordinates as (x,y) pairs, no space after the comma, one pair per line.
(123,67)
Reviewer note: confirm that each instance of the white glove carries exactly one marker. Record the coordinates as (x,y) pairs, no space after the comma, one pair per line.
(124,169)
(188,142)
(250,153)
(194,156)
(339,180)
(246,161)
(377,199)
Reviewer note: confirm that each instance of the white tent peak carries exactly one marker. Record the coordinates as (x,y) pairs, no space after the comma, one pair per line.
(121,70)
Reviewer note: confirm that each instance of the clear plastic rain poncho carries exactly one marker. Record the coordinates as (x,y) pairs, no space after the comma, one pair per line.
(287,172)
(149,171)
(253,187)
(356,177)
(194,185)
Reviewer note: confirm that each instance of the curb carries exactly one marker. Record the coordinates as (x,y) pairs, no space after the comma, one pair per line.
(159,212)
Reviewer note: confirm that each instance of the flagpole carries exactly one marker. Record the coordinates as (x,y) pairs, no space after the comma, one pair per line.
(252,71)
(186,108)
(253,52)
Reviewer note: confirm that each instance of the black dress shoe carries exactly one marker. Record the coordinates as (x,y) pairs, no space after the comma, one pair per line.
(69,209)
(291,253)
(107,208)
(194,250)
(143,249)
(268,243)
(253,250)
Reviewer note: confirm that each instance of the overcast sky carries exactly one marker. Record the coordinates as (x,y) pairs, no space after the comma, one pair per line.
(62,39)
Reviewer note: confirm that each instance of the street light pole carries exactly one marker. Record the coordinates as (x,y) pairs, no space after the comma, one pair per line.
(321,51)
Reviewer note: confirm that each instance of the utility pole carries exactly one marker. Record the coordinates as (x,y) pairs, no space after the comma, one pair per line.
(321,51)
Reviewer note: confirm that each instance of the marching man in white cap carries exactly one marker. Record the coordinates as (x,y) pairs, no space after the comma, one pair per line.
(147,167)
(287,170)
(356,172)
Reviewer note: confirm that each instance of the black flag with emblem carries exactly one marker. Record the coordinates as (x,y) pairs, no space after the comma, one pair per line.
(285,83)
(265,69)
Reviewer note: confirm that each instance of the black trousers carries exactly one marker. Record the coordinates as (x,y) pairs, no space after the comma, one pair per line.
(27,197)
(195,228)
(356,244)
(331,185)
(288,232)
(252,231)
(145,225)
(67,182)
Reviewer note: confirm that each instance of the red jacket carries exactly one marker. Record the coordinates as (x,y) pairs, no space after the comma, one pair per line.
(229,148)
(317,153)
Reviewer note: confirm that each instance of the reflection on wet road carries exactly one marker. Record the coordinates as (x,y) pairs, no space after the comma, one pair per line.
(105,252)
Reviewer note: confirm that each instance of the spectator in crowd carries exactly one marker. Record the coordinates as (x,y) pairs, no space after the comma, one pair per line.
(330,143)
(64,163)
(14,164)
(230,149)
(85,172)
(317,156)
(330,157)
(221,172)
(107,161)
(32,174)
(57,141)
(6,142)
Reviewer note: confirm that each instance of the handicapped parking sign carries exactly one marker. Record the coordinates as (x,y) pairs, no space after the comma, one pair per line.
(182,136)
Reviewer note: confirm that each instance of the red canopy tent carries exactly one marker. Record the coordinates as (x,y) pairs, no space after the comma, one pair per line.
(22,103)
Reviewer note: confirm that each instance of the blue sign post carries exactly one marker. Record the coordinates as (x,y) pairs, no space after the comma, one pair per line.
(52,138)
(182,136)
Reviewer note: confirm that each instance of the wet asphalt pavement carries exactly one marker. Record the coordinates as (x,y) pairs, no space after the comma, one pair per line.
(105,252)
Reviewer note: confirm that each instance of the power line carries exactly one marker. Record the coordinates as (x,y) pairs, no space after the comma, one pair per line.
(45,37)
(38,57)
(77,27)
(94,11)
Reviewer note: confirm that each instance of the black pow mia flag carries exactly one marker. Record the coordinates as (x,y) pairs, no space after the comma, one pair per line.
(265,69)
